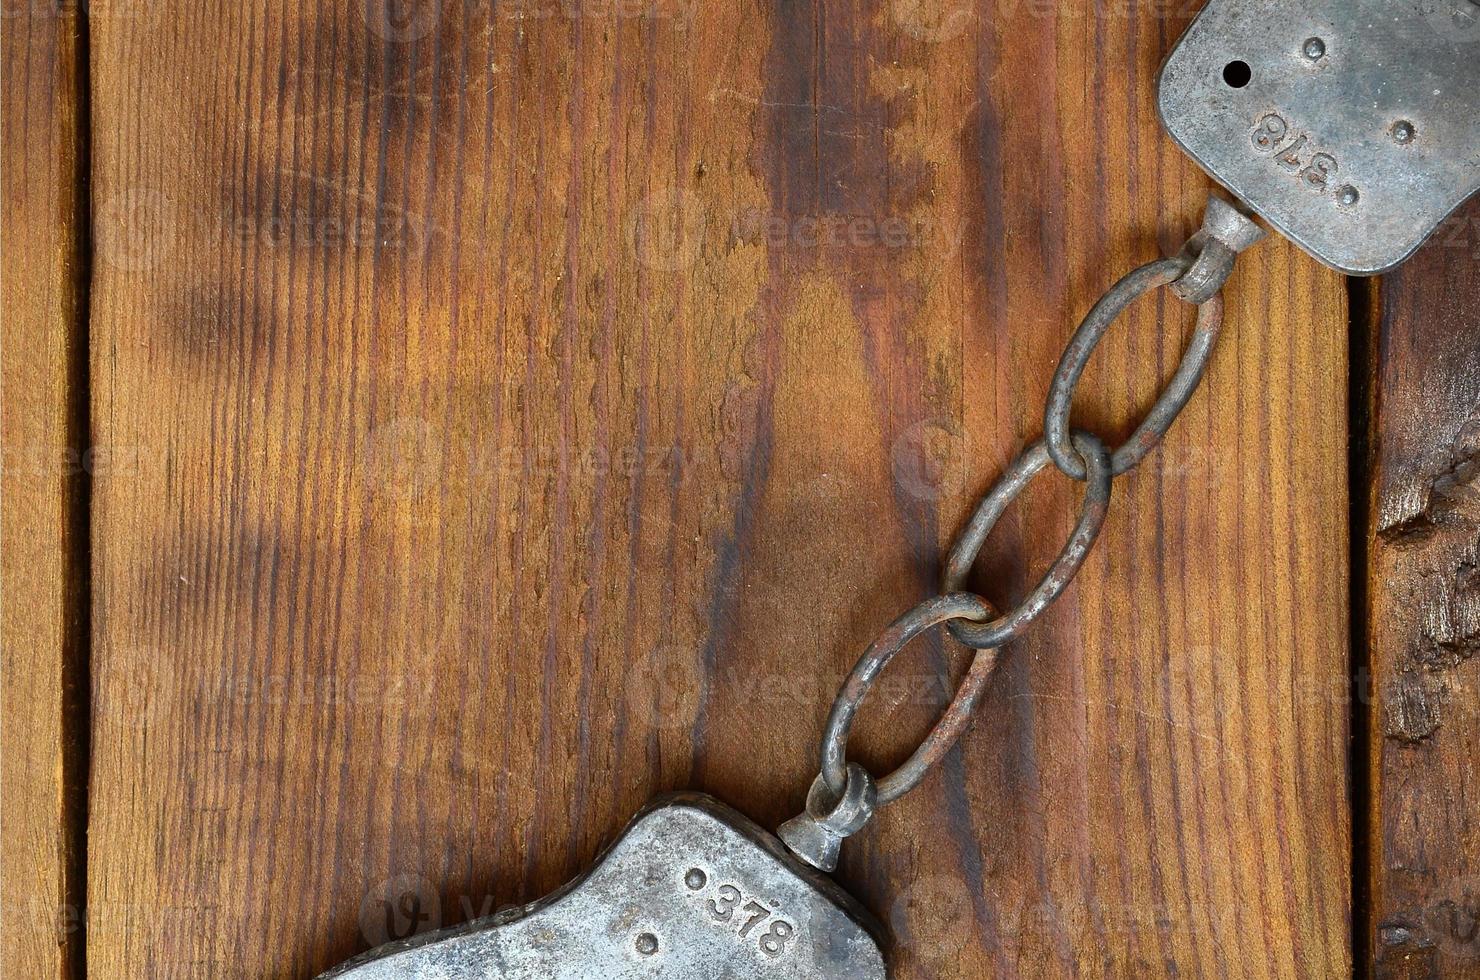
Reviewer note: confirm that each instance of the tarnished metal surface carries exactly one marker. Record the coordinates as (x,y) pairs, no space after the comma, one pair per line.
(691,891)
(844,795)
(1065,567)
(831,818)
(1196,275)
(954,607)
(1226,232)
(1169,404)
(1352,126)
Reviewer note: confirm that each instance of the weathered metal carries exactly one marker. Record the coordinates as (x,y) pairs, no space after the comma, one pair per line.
(1196,275)
(692,890)
(843,797)
(1012,482)
(952,607)
(1169,403)
(1352,126)
(817,835)
(1226,231)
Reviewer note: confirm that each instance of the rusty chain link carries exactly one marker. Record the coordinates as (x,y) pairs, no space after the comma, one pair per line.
(844,795)
(1062,572)
(1173,398)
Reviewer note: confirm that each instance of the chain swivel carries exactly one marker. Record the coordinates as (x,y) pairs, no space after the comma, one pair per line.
(817,835)
(1226,231)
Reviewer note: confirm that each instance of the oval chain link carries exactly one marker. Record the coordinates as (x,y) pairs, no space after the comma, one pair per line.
(1070,560)
(1197,276)
(932,612)
(1174,397)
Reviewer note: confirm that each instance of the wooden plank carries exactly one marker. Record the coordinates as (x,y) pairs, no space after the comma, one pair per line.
(1423,612)
(43,560)
(550,400)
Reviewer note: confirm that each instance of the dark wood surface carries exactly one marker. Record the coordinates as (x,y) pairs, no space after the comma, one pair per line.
(43,519)
(1424,623)
(537,406)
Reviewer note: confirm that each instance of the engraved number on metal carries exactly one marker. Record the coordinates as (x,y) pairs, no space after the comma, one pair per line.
(728,900)
(1269,137)
(690,889)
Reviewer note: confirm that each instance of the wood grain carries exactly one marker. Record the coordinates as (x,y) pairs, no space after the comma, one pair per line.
(1424,613)
(544,402)
(43,372)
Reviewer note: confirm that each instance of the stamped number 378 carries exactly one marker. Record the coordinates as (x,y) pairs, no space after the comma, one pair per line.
(1293,153)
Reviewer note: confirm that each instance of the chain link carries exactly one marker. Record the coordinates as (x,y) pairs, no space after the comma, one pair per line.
(1197,276)
(932,612)
(1171,401)
(1062,572)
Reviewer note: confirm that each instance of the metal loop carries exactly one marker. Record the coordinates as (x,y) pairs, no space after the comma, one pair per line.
(1171,401)
(1226,231)
(817,835)
(846,813)
(1064,568)
(1212,264)
(931,612)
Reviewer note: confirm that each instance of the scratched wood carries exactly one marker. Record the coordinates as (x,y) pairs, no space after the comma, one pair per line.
(1423,627)
(541,404)
(43,369)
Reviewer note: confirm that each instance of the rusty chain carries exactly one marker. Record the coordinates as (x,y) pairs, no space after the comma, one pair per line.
(844,795)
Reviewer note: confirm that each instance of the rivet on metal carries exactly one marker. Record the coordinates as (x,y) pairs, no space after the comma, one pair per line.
(1307,124)
(1404,131)
(695,879)
(1348,196)
(647,944)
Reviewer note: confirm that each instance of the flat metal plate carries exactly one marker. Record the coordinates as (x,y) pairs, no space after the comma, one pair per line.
(1314,141)
(692,890)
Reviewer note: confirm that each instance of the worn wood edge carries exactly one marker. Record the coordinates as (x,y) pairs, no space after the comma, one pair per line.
(43,503)
(1365,305)
(1420,915)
